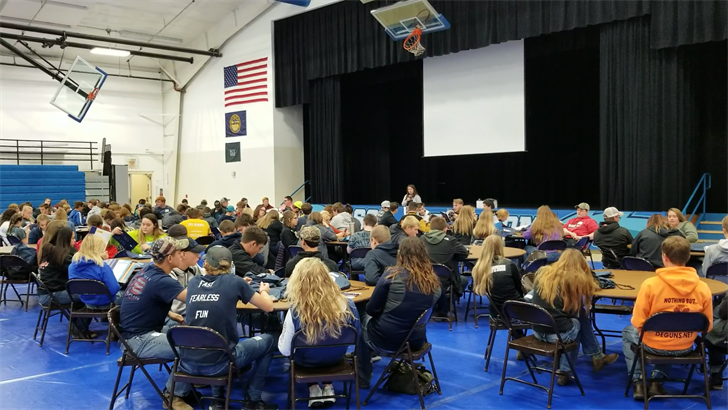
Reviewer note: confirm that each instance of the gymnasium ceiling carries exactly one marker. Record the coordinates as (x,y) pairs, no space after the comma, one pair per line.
(178,23)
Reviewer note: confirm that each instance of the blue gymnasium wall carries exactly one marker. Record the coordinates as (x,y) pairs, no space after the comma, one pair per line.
(35,183)
(634,221)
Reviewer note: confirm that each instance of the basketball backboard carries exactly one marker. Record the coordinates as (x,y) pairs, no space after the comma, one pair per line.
(78,89)
(401,18)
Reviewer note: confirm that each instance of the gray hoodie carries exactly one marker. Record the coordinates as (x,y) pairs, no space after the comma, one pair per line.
(341,221)
(715,254)
(183,277)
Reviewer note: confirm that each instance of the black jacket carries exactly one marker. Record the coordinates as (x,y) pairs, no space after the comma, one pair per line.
(379,259)
(172,218)
(55,277)
(648,244)
(446,250)
(396,233)
(611,236)
(228,240)
(315,254)
(274,232)
(387,219)
(288,237)
(244,263)
(506,283)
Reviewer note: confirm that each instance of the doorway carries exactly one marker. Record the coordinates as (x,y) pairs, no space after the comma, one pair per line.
(140,186)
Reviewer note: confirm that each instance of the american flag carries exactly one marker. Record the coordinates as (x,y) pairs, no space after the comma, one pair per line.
(246,82)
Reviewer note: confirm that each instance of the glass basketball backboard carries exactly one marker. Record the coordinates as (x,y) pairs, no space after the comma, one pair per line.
(78,89)
(400,19)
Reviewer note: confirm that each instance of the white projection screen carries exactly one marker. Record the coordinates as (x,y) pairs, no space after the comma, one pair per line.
(474,101)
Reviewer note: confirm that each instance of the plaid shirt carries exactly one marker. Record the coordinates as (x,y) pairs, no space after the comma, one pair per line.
(359,240)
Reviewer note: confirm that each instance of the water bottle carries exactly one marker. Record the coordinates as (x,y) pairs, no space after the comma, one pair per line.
(351,227)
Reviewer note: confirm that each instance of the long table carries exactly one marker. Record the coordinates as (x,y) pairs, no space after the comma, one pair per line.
(365,293)
(6,250)
(474,252)
(634,279)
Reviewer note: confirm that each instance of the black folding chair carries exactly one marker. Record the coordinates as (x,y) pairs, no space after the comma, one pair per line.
(496,323)
(8,263)
(557,245)
(130,359)
(528,281)
(517,313)
(356,253)
(584,245)
(636,263)
(13,240)
(672,322)
(535,265)
(205,240)
(405,355)
(203,339)
(342,371)
(46,312)
(88,287)
(293,250)
(719,269)
(445,274)
(610,260)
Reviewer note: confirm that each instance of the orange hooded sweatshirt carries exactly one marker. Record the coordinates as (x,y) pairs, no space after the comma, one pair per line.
(676,289)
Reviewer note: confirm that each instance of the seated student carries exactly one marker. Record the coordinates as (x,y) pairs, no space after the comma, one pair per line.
(408,227)
(612,237)
(341,218)
(502,216)
(489,206)
(108,216)
(457,205)
(319,311)
(719,252)
(676,220)
(648,243)
(88,263)
(565,289)
(208,217)
(676,288)
(326,221)
(582,225)
(310,237)
(26,253)
(174,216)
(356,221)
(196,227)
(75,216)
(229,235)
(95,221)
(484,228)
(306,210)
(361,240)
(496,276)
(546,227)
(287,204)
(462,228)
(266,203)
(62,215)
(425,215)
(273,228)
(387,219)
(216,294)
(413,211)
(95,208)
(382,255)
(327,234)
(56,257)
(446,250)
(147,301)
(219,211)
(251,243)
(401,295)
(27,213)
(5,222)
(51,230)
(384,208)
(288,234)
(189,257)
(125,214)
(229,214)
(716,341)
(146,235)
(16,230)
(161,209)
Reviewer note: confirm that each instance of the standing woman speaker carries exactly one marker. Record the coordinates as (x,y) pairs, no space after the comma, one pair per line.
(411,196)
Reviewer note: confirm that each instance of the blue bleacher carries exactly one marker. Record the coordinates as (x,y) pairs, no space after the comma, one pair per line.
(35,183)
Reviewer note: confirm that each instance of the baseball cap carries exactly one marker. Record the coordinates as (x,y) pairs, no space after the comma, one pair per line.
(223,199)
(611,212)
(385,204)
(163,247)
(310,234)
(230,208)
(177,230)
(582,205)
(217,253)
(298,204)
(217,203)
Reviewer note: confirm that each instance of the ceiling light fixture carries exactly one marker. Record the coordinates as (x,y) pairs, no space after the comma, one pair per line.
(110,52)
(37,22)
(134,35)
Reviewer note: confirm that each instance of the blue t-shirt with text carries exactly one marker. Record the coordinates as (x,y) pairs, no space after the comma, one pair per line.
(147,300)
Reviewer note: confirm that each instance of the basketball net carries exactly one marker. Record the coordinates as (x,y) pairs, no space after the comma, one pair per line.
(412,42)
(92,94)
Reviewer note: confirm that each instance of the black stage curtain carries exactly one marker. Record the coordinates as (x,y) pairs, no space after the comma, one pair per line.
(382,116)
(677,23)
(344,38)
(323,141)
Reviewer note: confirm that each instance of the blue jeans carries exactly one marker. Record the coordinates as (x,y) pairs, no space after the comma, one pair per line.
(581,332)
(258,349)
(151,345)
(630,335)
(364,346)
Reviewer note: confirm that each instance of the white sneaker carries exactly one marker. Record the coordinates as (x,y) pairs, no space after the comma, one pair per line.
(315,391)
(376,359)
(329,391)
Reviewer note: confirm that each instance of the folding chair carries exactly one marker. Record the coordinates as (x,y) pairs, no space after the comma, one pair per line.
(203,339)
(496,323)
(636,263)
(620,310)
(357,253)
(552,246)
(46,312)
(7,262)
(293,250)
(584,245)
(522,313)
(527,281)
(13,240)
(535,265)
(476,315)
(719,269)
(88,287)
(342,371)
(444,273)
(130,359)
(205,240)
(405,355)
(610,260)
(672,322)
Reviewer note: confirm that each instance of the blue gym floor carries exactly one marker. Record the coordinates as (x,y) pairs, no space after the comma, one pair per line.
(33,377)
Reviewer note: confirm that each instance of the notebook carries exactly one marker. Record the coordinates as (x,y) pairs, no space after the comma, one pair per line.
(122,268)
(126,241)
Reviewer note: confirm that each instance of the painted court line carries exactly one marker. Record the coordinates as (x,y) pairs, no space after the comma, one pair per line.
(35,376)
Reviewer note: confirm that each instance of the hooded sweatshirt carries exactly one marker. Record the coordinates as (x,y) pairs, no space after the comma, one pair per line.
(86,269)
(611,236)
(341,221)
(228,240)
(379,259)
(688,230)
(715,254)
(444,249)
(648,244)
(675,289)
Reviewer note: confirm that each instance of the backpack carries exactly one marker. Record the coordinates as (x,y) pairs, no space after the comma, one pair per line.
(603,279)
(401,380)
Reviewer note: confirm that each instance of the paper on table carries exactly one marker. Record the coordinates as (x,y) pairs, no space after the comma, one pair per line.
(105,235)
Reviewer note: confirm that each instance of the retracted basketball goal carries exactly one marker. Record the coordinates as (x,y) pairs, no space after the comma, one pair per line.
(408,21)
